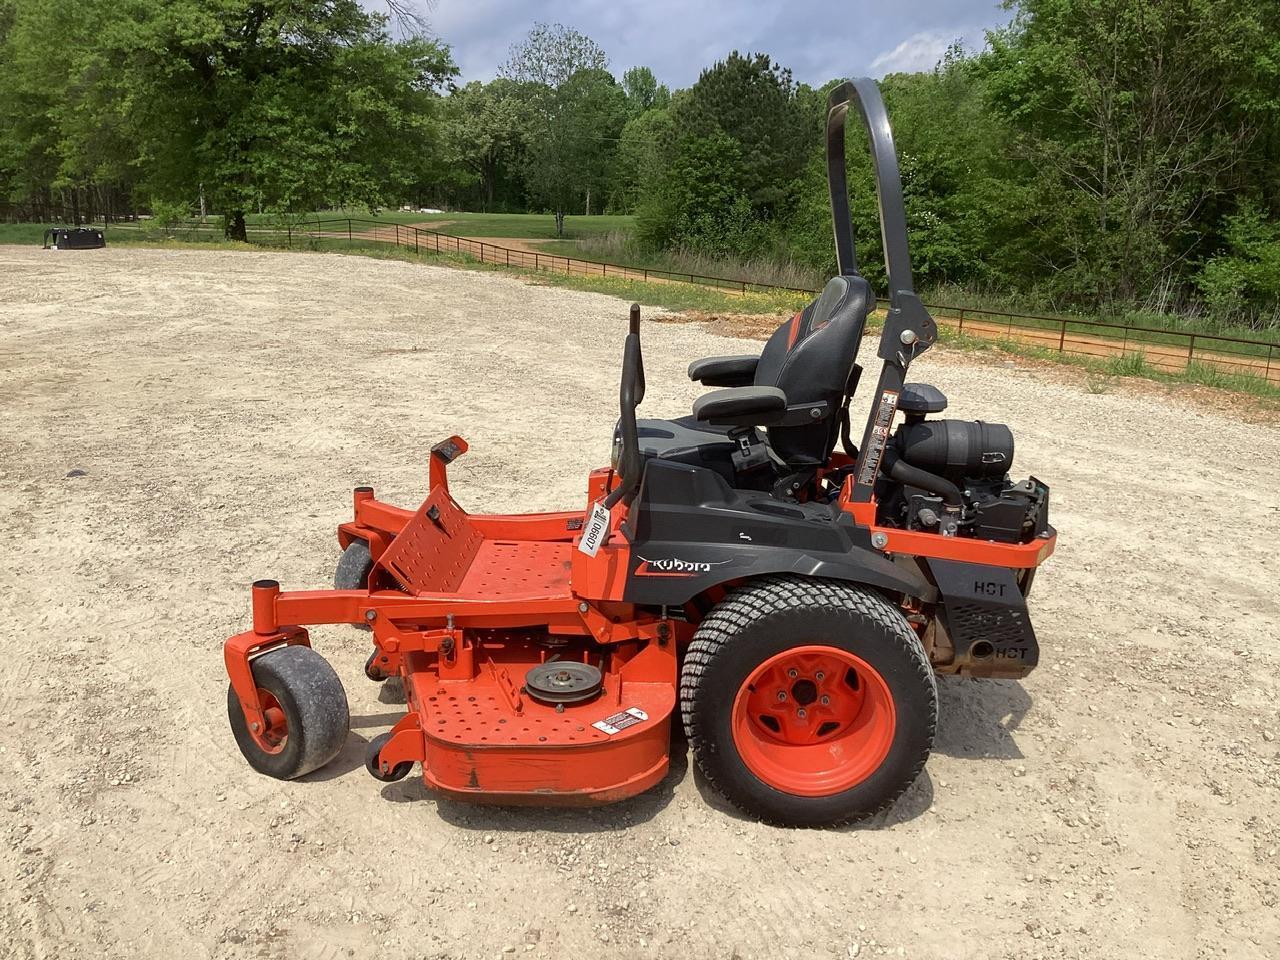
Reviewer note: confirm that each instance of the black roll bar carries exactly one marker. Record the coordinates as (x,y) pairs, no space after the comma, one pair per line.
(865,95)
(908,328)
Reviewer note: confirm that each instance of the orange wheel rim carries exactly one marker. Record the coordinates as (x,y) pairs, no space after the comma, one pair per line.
(813,721)
(275,735)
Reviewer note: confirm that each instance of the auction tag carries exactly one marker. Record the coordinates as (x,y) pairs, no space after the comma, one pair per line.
(620,721)
(596,531)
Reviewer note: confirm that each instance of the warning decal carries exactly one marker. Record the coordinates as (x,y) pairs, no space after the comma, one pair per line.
(620,721)
(879,437)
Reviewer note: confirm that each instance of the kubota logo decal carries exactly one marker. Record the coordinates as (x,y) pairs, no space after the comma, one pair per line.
(675,567)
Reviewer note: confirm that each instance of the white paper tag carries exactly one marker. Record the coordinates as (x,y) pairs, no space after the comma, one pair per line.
(596,532)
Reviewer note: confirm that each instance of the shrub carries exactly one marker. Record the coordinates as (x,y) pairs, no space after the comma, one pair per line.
(1244,282)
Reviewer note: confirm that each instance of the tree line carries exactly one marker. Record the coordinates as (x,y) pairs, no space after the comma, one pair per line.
(1096,154)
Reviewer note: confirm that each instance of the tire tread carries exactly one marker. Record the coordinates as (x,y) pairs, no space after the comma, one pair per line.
(768,595)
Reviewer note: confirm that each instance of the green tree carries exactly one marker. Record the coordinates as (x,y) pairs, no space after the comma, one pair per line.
(274,104)
(963,199)
(58,134)
(700,200)
(1244,280)
(551,54)
(1132,119)
(485,131)
(640,157)
(644,92)
(285,104)
(730,160)
(752,100)
(574,111)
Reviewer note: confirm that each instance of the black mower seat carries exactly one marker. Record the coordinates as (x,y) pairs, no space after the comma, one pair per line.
(805,366)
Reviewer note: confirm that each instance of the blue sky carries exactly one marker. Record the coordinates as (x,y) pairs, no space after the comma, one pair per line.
(817,40)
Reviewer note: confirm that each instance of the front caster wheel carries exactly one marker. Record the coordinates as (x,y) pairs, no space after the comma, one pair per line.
(306,713)
(808,702)
(354,567)
(373,763)
(373,667)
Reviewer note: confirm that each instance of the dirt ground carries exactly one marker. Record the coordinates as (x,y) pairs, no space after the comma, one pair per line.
(174,424)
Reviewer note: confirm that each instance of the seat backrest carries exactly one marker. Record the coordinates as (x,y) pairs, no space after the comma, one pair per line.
(810,358)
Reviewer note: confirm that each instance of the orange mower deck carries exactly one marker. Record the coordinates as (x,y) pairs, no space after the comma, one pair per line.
(474,610)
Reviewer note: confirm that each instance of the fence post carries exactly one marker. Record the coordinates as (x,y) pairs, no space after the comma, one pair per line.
(348,229)
(289,236)
(508,256)
(415,239)
(1267,375)
(397,235)
(1191,349)
(961,320)
(1062,337)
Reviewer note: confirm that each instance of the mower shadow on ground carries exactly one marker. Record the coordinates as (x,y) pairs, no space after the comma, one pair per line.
(350,757)
(383,720)
(977,719)
(600,819)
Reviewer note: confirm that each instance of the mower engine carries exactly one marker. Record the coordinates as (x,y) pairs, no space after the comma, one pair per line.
(952,477)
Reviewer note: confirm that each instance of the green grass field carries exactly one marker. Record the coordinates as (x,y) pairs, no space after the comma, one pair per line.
(597,234)
(530,226)
(22,232)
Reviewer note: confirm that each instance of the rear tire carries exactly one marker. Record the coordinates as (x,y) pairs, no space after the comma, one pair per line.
(309,707)
(808,702)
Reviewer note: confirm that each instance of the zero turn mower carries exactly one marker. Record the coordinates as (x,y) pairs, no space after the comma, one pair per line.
(794,602)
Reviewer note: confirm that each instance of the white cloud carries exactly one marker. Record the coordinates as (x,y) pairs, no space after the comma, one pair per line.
(920,51)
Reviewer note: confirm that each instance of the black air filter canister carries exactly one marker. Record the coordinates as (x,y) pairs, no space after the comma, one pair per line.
(957,449)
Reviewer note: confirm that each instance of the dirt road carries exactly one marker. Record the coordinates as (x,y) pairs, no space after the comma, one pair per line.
(177,423)
(1170,358)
